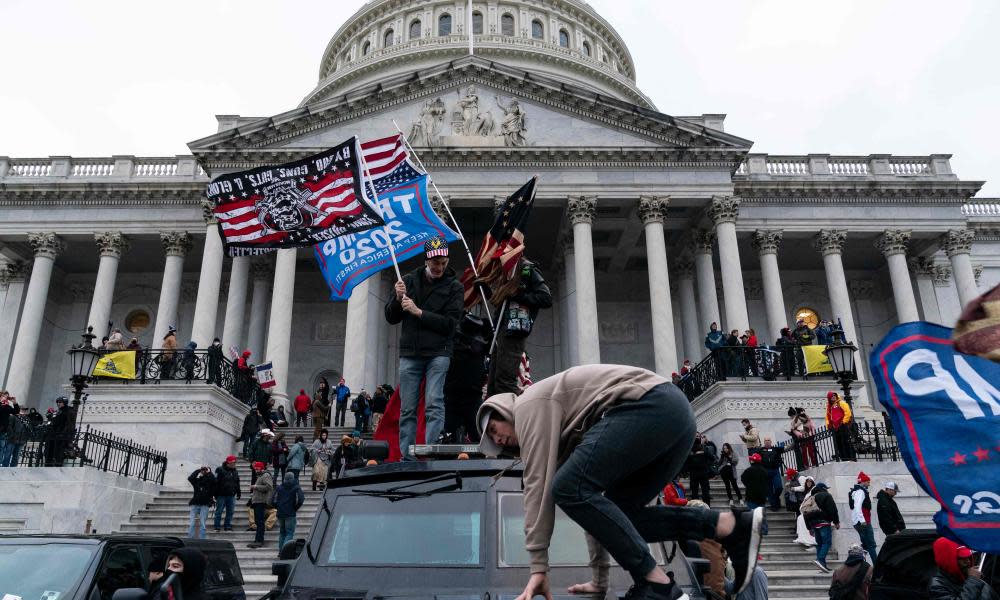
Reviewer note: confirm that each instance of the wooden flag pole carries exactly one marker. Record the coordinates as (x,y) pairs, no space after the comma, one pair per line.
(385,228)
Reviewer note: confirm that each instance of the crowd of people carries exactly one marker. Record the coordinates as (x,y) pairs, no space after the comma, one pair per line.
(53,434)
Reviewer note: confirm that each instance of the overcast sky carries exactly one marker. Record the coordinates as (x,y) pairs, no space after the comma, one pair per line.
(108,77)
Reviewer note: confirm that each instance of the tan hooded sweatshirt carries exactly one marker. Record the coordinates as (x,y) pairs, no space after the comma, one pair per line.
(550,419)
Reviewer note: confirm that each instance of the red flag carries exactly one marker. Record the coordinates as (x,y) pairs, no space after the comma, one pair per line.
(388,427)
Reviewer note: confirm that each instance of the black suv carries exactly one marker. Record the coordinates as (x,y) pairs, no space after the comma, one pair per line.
(906,564)
(441,528)
(93,567)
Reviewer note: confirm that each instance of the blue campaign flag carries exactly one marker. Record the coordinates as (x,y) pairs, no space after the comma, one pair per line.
(410,221)
(945,409)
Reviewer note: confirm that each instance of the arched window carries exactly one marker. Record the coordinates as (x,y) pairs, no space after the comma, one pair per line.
(389,38)
(586,49)
(415,30)
(444,25)
(477,23)
(537,30)
(564,38)
(366,48)
(507,24)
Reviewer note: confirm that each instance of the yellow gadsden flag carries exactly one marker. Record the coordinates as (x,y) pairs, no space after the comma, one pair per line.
(120,365)
(816,361)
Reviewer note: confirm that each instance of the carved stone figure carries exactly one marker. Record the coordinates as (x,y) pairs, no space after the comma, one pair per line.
(467,114)
(426,130)
(512,126)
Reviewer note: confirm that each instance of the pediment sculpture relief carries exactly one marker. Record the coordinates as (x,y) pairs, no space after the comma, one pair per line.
(470,124)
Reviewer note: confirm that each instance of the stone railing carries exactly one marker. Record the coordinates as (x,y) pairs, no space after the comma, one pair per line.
(117,168)
(873,166)
(982,207)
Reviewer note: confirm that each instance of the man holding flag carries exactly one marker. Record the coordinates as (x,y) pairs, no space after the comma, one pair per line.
(428,303)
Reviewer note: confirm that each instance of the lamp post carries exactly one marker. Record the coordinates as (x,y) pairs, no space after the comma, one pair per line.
(82,359)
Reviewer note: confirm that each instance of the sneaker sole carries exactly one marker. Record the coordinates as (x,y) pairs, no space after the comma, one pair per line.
(755,541)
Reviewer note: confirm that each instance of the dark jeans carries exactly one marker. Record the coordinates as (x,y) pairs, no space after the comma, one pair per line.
(867,535)
(824,539)
(702,482)
(260,520)
(729,478)
(360,422)
(460,415)
(842,443)
(340,415)
(227,503)
(622,464)
(301,419)
(774,488)
(506,365)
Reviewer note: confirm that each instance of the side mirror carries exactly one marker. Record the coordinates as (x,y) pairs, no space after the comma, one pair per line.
(130,594)
(292,549)
(281,569)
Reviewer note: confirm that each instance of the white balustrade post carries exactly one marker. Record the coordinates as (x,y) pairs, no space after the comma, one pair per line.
(581,213)
(957,245)
(893,243)
(176,244)
(279,332)
(767,242)
(830,242)
(206,307)
(689,309)
(236,302)
(651,211)
(13,286)
(708,297)
(46,246)
(262,274)
(723,211)
(112,245)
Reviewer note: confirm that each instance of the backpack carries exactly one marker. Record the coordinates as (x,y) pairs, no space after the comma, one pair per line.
(354,405)
(810,508)
(845,591)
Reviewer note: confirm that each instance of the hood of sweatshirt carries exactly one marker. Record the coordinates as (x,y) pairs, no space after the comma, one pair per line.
(503,404)
(946,553)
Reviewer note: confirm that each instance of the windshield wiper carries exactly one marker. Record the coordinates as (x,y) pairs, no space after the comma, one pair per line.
(401,492)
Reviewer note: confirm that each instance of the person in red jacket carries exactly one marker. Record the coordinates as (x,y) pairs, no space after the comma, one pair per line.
(673,494)
(302,403)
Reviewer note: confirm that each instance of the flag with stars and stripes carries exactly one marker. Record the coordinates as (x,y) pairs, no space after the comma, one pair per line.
(502,249)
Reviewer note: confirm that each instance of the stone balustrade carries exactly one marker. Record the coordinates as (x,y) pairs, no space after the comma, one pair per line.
(881,166)
(982,207)
(116,168)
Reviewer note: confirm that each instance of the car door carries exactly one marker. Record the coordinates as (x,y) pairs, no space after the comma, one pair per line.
(121,568)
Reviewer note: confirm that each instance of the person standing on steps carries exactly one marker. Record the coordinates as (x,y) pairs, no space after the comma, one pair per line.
(822,522)
(750,436)
(727,470)
(215,358)
(890,520)
(298,455)
(600,441)
(301,407)
(203,498)
(342,394)
(861,514)
(227,492)
(322,456)
(320,408)
(262,490)
(288,499)
(839,418)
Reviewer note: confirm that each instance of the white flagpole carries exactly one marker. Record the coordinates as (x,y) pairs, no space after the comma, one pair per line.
(385,228)
(472,50)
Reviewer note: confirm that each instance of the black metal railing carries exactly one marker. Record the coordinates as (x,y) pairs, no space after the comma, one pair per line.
(42,447)
(154,365)
(866,440)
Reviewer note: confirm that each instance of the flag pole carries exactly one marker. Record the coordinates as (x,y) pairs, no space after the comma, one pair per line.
(385,228)
(454,221)
(472,50)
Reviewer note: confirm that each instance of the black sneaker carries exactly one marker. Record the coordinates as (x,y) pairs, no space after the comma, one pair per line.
(743,545)
(648,590)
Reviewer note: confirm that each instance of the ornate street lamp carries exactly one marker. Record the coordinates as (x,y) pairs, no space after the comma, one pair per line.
(82,359)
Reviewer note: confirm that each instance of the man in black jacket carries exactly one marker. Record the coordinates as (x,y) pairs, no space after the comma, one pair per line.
(956,578)
(227,492)
(770,457)
(515,323)
(428,302)
(822,524)
(889,518)
(203,498)
(755,479)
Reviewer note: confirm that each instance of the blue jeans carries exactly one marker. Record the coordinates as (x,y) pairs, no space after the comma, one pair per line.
(9,452)
(620,466)
(202,513)
(229,504)
(411,371)
(774,494)
(867,535)
(286,531)
(824,539)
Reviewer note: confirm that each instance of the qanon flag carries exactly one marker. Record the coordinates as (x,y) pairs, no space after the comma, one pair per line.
(945,409)
(296,204)
(409,222)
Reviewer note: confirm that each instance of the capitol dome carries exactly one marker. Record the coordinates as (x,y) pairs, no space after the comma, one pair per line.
(565,40)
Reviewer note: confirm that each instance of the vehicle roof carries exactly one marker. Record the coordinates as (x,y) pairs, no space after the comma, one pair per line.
(95,539)
(429,468)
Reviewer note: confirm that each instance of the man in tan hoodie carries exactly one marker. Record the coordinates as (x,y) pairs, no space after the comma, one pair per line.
(601,441)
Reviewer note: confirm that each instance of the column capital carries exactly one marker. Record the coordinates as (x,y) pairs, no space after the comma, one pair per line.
(830,241)
(437,205)
(977,271)
(923,266)
(957,241)
(724,209)
(767,241)
(702,241)
(261,269)
(112,243)
(208,212)
(176,243)
(48,245)
(893,241)
(15,271)
(942,275)
(582,209)
(684,268)
(653,209)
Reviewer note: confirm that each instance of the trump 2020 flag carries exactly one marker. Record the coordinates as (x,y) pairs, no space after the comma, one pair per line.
(945,409)
(296,204)
(409,222)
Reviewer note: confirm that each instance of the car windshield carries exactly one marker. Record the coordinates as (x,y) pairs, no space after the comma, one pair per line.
(433,531)
(26,570)
(567,548)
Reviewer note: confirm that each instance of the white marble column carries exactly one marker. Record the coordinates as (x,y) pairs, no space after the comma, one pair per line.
(723,211)
(581,214)
(262,273)
(13,284)
(766,242)
(361,336)
(893,244)
(957,244)
(946,295)
(206,307)
(924,271)
(279,332)
(572,337)
(112,245)
(46,246)
(708,297)
(176,244)
(830,242)
(236,302)
(651,211)
(684,270)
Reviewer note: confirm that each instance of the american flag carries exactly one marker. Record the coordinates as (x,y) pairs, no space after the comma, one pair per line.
(501,250)
(389,163)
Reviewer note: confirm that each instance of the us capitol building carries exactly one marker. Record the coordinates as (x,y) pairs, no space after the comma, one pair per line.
(647,226)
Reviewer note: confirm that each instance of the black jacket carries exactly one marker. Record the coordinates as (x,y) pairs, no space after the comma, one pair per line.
(441,302)
(827,504)
(756,480)
(204,488)
(379,403)
(533,293)
(700,462)
(889,517)
(227,482)
(6,411)
(288,498)
(942,587)
(770,458)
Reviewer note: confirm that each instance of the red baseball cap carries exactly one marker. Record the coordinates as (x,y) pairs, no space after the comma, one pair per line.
(258,466)
(230,458)
(755,458)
